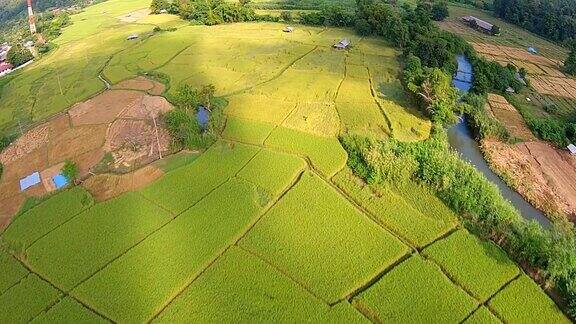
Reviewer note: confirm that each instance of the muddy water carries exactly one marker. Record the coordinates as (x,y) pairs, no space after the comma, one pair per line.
(463,142)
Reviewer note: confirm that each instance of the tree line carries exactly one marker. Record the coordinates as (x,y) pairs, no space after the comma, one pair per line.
(552,19)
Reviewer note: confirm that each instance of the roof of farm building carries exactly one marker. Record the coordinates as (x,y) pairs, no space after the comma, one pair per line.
(5,66)
(481,23)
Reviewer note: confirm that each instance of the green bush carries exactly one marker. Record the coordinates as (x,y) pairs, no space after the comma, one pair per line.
(70,171)
(481,122)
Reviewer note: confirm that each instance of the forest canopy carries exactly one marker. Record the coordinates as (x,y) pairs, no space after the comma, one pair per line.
(552,19)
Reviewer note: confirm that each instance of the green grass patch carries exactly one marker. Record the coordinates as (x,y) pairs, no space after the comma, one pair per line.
(481,267)
(482,316)
(392,210)
(100,234)
(326,154)
(176,161)
(240,288)
(273,171)
(68,310)
(182,188)
(45,217)
(12,271)
(22,302)
(523,301)
(416,291)
(318,238)
(247,131)
(137,285)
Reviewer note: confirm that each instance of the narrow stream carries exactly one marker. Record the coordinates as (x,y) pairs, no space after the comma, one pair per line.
(462,141)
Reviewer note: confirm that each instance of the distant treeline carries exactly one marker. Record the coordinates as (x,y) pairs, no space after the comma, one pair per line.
(209,12)
(553,19)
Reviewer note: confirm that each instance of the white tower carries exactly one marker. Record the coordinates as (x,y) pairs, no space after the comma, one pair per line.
(31,18)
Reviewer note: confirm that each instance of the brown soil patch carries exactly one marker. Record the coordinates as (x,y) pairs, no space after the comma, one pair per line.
(134,16)
(27,143)
(149,107)
(88,160)
(47,174)
(107,186)
(499,107)
(76,141)
(9,188)
(514,54)
(135,140)
(104,108)
(9,207)
(32,162)
(543,175)
(142,84)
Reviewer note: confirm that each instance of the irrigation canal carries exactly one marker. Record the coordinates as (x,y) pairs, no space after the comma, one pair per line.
(462,141)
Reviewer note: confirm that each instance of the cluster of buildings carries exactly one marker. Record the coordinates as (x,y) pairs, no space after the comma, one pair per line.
(5,67)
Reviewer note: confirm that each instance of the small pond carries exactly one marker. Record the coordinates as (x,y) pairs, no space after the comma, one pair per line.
(203,116)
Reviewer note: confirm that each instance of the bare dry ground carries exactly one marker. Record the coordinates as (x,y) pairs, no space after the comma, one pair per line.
(107,186)
(134,16)
(499,107)
(119,122)
(542,174)
(550,85)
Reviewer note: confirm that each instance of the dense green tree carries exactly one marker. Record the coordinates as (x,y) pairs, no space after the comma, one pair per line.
(158,5)
(18,55)
(553,19)
(440,10)
(570,63)
(70,171)
(286,16)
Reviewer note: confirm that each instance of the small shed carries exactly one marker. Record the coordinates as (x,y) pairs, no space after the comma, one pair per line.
(532,50)
(343,44)
(288,29)
(572,149)
(30,181)
(132,37)
(510,90)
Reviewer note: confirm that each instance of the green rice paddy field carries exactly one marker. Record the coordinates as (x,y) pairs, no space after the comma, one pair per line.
(267,225)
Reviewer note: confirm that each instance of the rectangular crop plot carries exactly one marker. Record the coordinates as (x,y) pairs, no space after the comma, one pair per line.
(240,288)
(11,271)
(416,291)
(28,298)
(184,187)
(355,90)
(68,310)
(522,301)
(247,131)
(79,248)
(273,171)
(320,240)
(481,267)
(39,221)
(137,285)
(393,211)
(325,153)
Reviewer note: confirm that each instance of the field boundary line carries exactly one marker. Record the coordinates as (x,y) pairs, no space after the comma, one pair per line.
(445,235)
(373,92)
(365,286)
(57,227)
(485,303)
(286,275)
(63,293)
(367,214)
(243,233)
(144,238)
(279,74)
(17,283)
